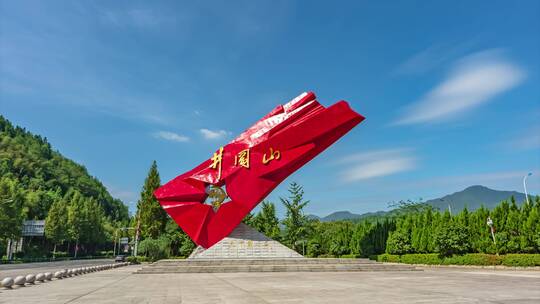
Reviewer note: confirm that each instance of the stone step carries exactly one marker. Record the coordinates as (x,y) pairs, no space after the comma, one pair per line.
(247,243)
(290,261)
(276,268)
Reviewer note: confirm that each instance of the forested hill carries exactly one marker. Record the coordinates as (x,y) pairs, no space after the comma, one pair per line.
(42,175)
(472,197)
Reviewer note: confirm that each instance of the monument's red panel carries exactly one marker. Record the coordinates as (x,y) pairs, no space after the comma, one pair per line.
(253,164)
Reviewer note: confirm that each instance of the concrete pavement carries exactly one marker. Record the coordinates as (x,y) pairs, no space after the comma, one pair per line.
(430,286)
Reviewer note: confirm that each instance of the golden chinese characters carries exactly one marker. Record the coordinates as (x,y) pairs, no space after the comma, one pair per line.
(216,161)
(273,155)
(242,159)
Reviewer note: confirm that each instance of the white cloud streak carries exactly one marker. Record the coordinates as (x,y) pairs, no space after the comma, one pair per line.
(141,18)
(213,134)
(378,163)
(474,80)
(528,140)
(171,136)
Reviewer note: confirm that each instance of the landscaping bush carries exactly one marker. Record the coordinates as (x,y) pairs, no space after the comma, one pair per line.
(392,258)
(522,260)
(349,256)
(155,249)
(136,259)
(326,256)
(429,259)
(478,259)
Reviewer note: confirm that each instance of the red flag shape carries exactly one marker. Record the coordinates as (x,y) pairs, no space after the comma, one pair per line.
(252,165)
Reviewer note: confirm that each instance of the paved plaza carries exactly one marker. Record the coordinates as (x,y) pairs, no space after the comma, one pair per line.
(429,286)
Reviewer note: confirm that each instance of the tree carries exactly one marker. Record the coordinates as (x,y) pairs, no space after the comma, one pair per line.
(295,222)
(267,222)
(56,223)
(399,242)
(452,238)
(11,202)
(76,219)
(152,217)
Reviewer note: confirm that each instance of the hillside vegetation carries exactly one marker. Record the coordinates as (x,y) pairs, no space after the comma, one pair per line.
(34,177)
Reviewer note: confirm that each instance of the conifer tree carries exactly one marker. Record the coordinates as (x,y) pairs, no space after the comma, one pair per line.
(152,217)
(296,223)
(267,222)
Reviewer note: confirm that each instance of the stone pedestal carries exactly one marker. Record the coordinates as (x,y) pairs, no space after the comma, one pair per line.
(245,243)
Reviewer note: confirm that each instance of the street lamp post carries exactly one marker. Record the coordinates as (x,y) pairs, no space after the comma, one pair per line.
(490,224)
(525,186)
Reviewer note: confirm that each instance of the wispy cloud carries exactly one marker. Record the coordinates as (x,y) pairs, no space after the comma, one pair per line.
(431,58)
(170,136)
(474,80)
(213,134)
(377,163)
(141,18)
(529,139)
(498,179)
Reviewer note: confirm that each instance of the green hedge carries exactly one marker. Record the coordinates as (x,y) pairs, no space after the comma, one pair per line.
(521,260)
(479,259)
(137,259)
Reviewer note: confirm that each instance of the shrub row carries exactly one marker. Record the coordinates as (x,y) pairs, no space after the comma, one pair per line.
(479,259)
(137,259)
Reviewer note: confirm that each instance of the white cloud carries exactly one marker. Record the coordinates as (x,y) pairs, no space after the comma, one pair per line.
(529,139)
(506,180)
(213,134)
(474,80)
(376,164)
(141,18)
(432,57)
(170,136)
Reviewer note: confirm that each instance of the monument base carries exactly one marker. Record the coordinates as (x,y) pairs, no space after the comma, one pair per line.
(245,243)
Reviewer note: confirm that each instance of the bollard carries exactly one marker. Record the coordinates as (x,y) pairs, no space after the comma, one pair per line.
(20,280)
(48,276)
(40,277)
(7,282)
(30,278)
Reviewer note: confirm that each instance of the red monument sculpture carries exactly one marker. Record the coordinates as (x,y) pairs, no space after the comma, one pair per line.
(252,165)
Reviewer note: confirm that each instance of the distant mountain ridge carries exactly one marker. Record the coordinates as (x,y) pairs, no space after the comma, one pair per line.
(472,197)
(475,196)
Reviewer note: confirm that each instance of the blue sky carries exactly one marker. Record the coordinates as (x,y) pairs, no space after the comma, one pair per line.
(450,93)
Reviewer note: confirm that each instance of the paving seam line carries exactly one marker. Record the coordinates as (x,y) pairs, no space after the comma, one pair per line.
(92,291)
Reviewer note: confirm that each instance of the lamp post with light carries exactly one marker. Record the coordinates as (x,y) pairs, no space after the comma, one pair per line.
(525,186)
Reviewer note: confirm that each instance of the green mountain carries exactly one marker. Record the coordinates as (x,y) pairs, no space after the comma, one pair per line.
(346,215)
(472,197)
(39,175)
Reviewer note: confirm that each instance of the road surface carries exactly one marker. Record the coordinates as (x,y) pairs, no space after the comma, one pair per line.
(13,270)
